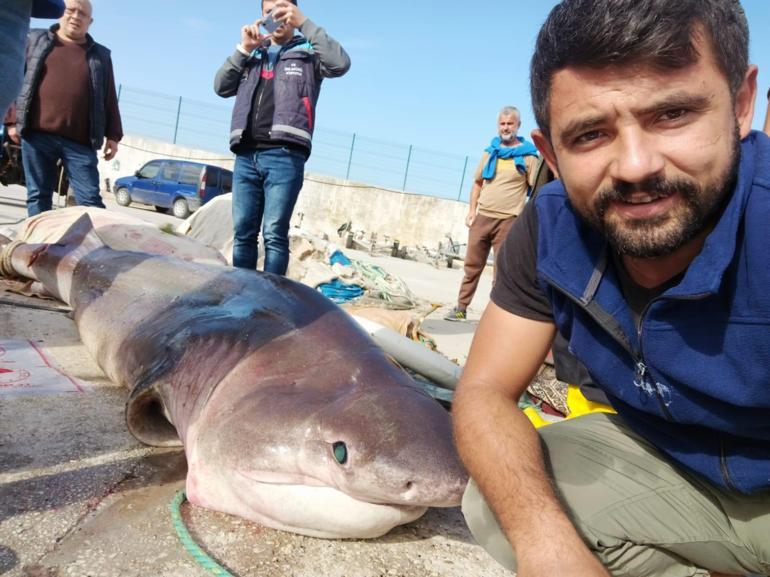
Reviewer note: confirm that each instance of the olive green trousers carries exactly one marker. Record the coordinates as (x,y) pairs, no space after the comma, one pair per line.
(641,515)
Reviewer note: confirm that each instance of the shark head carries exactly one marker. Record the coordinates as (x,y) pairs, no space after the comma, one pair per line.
(350,449)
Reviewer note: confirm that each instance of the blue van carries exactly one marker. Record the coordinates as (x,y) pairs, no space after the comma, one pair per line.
(179,185)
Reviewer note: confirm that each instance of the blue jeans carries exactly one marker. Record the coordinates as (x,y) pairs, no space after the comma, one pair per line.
(14,25)
(39,152)
(266,184)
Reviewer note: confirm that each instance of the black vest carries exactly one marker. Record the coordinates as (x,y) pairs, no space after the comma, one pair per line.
(39,45)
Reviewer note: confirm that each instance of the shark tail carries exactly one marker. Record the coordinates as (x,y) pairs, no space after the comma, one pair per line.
(51,263)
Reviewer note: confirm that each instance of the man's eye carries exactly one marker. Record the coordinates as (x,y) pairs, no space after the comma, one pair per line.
(587,137)
(675,114)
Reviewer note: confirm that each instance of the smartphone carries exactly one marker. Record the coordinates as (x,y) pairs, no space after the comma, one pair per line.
(270,24)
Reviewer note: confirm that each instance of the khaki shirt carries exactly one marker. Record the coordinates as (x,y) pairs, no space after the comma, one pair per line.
(505,194)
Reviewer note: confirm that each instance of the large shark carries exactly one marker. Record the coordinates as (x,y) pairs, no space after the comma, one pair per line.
(289,414)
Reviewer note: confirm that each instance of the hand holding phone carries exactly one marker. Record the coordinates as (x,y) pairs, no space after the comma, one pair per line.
(285,13)
(251,37)
(270,24)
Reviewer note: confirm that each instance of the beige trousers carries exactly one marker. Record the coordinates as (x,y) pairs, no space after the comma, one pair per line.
(640,514)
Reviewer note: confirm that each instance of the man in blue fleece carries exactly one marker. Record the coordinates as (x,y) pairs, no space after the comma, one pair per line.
(650,257)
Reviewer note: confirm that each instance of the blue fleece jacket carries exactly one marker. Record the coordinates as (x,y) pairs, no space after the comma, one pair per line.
(695,378)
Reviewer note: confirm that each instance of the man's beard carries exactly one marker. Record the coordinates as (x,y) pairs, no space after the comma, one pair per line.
(664,234)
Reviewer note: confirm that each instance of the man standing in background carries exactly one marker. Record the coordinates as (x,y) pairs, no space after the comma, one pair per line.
(506,171)
(67,106)
(276,79)
(14,25)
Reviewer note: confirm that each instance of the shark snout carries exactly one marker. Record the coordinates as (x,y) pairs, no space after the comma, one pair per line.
(423,486)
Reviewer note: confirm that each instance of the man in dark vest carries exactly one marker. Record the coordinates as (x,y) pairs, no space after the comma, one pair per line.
(67,107)
(649,256)
(276,79)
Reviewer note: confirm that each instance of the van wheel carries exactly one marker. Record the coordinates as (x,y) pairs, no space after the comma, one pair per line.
(122,197)
(161,209)
(180,208)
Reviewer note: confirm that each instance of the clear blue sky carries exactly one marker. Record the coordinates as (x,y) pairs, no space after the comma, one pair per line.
(425,72)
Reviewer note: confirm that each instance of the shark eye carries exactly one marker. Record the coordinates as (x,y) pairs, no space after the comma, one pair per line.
(340,452)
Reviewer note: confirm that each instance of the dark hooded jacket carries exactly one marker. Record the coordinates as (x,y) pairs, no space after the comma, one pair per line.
(296,83)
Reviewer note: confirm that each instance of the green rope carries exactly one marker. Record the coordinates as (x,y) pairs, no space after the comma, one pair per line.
(384,285)
(192,547)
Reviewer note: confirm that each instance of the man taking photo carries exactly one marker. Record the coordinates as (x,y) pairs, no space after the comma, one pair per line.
(275,76)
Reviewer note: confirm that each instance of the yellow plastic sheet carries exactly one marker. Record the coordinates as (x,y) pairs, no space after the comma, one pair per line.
(577,404)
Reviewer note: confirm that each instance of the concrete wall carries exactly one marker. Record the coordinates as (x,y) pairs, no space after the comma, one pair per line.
(326,203)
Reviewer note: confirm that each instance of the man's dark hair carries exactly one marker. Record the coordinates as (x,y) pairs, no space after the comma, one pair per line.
(660,33)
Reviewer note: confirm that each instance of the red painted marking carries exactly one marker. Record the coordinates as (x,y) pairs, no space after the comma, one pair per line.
(306,102)
(45,360)
(39,352)
(3,371)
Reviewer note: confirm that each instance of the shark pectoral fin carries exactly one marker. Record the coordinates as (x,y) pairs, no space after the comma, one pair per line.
(147,421)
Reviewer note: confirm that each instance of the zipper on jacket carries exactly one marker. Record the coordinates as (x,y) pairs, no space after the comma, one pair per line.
(723,465)
(255,116)
(642,376)
(261,85)
(641,368)
(642,371)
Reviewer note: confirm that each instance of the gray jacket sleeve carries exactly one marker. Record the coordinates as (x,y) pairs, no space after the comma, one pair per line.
(228,77)
(333,60)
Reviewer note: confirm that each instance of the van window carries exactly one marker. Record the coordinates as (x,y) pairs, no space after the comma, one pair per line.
(227,181)
(150,170)
(212,176)
(169,172)
(190,174)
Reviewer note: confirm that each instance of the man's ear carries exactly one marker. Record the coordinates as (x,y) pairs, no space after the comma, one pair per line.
(546,150)
(744,101)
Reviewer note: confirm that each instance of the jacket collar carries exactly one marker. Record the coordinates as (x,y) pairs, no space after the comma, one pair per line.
(297,41)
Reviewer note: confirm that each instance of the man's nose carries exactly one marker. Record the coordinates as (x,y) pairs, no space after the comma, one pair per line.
(637,157)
